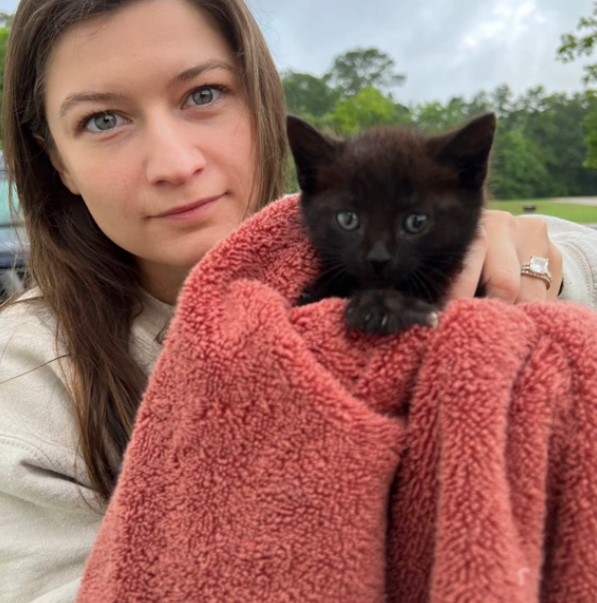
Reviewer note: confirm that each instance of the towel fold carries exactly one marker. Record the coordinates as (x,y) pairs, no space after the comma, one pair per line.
(279,457)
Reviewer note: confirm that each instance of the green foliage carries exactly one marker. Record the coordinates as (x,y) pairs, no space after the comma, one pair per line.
(518,169)
(4,34)
(308,95)
(366,109)
(590,124)
(435,118)
(556,125)
(502,100)
(543,145)
(363,68)
(581,44)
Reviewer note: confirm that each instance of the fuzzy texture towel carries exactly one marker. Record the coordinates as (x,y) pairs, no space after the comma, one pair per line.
(278,457)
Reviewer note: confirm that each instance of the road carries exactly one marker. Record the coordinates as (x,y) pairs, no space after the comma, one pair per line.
(592,201)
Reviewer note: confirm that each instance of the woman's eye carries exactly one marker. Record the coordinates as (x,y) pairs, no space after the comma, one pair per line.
(102,122)
(204,96)
(415,223)
(348,220)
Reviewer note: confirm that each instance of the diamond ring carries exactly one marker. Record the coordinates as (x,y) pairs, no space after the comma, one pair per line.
(537,268)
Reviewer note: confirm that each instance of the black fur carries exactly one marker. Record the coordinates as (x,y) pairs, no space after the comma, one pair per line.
(392,214)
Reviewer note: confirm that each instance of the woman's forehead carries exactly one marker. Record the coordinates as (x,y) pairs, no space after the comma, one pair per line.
(150,37)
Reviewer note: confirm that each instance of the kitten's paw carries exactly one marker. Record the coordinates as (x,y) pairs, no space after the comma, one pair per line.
(387,312)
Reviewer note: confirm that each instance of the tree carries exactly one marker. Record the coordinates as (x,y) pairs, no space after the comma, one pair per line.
(555,124)
(481,103)
(590,124)
(582,44)
(435,118)
(4,33)
(502,100)
(432,117)
(362,68)
(518,172)
(307,95)
(366,109)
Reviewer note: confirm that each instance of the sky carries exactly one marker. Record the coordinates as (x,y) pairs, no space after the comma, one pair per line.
(445,48)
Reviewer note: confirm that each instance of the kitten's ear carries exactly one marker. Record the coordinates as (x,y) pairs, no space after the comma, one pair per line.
(467,150)
(311,151)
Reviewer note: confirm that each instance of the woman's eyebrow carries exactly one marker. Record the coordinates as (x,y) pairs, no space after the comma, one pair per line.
(189,74)
(87,97)
(109,97)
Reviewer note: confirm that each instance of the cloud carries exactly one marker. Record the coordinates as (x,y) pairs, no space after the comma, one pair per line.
(445,48)
(507,23)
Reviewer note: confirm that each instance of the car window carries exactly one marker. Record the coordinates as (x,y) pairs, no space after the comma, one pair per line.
(9,230)
(12,242)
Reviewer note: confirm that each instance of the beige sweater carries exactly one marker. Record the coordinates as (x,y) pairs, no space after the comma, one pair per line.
(47,529)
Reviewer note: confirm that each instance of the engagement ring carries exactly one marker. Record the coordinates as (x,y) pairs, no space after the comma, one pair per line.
(537,267)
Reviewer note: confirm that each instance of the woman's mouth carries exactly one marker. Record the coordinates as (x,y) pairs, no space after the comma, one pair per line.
(191,211)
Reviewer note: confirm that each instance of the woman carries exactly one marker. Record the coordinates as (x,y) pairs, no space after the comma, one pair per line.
(139,135)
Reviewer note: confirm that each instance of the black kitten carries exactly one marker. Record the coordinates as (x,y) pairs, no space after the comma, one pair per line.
(391,214)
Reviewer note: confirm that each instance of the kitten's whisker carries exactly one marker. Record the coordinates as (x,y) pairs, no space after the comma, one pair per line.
(332,273)
(427,284)
(417,284)
(335,269)
(438,274)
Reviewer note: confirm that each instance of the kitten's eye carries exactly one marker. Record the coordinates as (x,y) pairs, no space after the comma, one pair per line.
(348,220)
(415,223)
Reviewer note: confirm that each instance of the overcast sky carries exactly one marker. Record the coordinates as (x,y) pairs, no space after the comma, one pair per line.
(445,48)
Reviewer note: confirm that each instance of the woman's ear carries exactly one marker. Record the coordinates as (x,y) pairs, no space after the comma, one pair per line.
(58,165)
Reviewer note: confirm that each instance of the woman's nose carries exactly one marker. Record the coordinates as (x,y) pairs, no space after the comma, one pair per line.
(172,153)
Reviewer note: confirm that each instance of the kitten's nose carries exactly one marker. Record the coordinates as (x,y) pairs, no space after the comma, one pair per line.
(379,257)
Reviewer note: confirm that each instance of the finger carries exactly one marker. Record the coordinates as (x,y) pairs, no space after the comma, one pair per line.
(556,265)
(467,281)
(501,271)
(534,238)
(502,281)
(532,289)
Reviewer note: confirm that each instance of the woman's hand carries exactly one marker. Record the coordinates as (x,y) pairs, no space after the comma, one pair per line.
(504,243)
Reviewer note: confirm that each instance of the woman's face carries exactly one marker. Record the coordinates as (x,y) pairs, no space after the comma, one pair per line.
(151,127)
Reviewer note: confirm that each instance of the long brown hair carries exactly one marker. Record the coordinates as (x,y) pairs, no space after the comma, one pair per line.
(92,285)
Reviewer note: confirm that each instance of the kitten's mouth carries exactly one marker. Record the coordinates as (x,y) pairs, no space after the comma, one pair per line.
(394,280)
(381,282)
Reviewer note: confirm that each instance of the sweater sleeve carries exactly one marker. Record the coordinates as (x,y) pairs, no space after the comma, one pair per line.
(578,246)
(47,521)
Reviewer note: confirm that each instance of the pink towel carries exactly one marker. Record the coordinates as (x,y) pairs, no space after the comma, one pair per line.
(278,457)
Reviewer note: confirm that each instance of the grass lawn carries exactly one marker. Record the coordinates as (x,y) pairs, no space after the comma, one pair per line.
(583,214)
